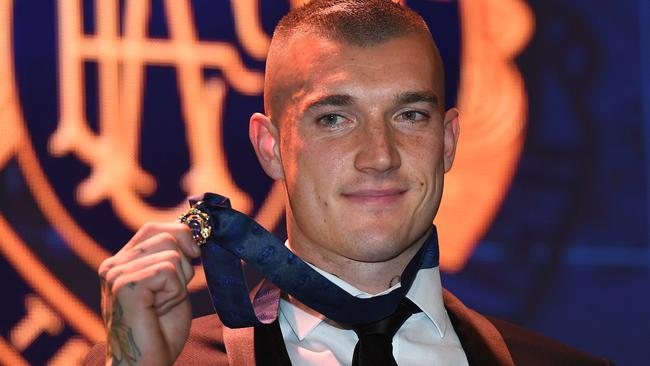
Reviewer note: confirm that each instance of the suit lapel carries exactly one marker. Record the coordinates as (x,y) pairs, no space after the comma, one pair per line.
(482,342)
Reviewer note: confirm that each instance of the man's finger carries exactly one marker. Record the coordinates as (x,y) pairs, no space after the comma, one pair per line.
(179,231)
(158,243)
(154,288)
(170,259)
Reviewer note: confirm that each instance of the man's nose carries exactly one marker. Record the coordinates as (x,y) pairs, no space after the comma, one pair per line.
(378,152)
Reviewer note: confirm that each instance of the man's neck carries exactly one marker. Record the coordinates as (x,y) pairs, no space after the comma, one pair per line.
(370,277)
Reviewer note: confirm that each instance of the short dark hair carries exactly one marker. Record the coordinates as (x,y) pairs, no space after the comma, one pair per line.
(363,23)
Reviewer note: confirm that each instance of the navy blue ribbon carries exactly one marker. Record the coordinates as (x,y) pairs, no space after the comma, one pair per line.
(237,239)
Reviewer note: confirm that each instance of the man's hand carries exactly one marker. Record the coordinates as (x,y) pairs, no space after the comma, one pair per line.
(145,305)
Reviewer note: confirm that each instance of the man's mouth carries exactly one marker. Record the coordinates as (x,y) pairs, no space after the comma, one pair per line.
(385,196)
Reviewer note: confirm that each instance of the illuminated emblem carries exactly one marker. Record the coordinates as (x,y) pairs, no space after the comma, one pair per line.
(83,170)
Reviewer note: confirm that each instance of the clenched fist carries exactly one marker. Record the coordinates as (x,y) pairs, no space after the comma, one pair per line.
(145,304)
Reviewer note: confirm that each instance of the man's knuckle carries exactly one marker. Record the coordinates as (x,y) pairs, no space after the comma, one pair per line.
(178,287)
(147,227)
(175,257)
(117,286)
(170,256)
(167,237)
(104,267)
(151,228)
(112,276)
(167,268)
(138,249)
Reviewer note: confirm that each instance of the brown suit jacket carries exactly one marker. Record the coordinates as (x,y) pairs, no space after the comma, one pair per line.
(486,341)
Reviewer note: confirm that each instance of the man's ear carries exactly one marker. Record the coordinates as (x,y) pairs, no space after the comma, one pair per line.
(451,133)
(265,138)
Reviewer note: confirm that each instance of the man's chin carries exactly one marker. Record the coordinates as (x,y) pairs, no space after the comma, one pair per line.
(373,245)
(377,254)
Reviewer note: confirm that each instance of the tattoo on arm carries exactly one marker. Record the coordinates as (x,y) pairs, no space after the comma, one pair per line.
(122,346)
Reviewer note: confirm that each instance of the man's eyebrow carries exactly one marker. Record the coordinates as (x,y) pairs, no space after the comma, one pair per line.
(331,100)
(416,97)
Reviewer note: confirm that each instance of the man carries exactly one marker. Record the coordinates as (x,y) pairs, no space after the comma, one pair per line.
(355,128)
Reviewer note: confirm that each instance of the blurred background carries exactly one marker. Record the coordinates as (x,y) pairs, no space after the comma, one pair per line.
(113,112)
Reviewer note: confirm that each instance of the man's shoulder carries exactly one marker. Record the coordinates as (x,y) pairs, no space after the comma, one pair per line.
(488,338)
(530,348)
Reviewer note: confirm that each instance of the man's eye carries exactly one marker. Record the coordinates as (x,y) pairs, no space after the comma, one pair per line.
(412,116)
(331,120)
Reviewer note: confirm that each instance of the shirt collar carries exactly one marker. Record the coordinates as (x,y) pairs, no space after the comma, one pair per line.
(425,292)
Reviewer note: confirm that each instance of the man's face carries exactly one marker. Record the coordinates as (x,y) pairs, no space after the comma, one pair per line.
(361,145)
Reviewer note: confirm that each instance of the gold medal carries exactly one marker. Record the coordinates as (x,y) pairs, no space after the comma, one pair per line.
(199,222)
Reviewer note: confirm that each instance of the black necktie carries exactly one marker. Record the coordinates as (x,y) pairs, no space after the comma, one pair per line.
(375,346)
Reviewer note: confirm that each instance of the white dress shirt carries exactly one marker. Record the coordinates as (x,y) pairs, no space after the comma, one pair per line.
(426,338)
